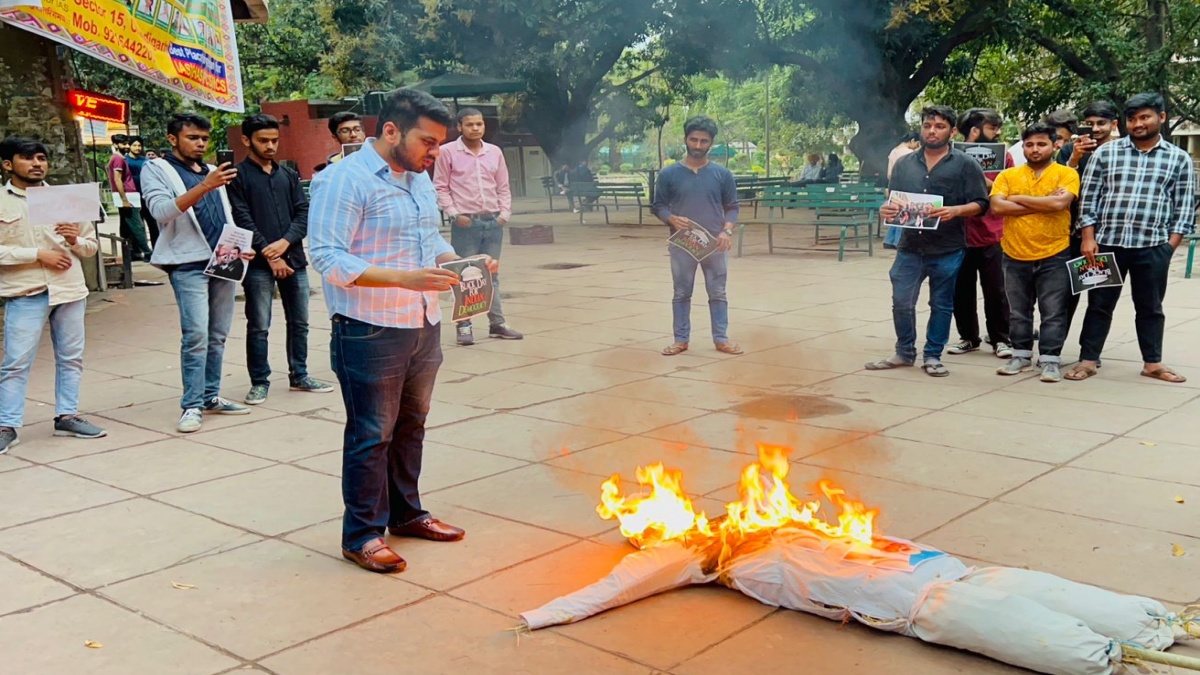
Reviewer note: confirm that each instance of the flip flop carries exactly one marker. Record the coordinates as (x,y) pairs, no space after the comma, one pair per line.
(936,369)
(728,348)
(675,348)
(885,364)
(1080,373)
(1165,374)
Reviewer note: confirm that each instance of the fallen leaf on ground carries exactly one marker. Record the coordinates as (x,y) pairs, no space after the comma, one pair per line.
(1149,444)
(92,644)
(182,587)
(1177,550)
(1178,500)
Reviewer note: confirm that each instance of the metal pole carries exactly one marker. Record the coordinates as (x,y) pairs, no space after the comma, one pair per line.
(767,123)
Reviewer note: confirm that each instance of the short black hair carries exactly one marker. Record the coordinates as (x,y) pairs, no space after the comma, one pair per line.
(20,145)
(1062,119)
(258,122)
(1038,129)
(1101,108)
(186,119)
(468,112)
(118,138)
(700,123)
(943,111)
(910,137)
(341,118)
(1145,100)
(319,167)
(136,139)
(404,107)
(977,117)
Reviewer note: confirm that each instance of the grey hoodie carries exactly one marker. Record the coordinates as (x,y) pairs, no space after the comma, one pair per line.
(180,238)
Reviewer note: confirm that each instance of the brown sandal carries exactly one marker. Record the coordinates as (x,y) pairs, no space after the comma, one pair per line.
(675,348)
(729,348)
(1080,373)
(1165,374)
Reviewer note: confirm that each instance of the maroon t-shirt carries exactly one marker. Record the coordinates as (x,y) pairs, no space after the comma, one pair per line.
(987,229)
(115,163)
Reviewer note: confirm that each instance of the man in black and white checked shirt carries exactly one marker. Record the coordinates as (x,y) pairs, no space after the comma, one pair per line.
(1138,202)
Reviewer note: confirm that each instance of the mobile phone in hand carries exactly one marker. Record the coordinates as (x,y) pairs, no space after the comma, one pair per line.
(224,156)
(1084,130)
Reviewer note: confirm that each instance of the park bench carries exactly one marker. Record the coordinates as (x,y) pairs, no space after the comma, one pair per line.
(750,188)
(595,192)
(843,209)
(1191,240)
(551,189)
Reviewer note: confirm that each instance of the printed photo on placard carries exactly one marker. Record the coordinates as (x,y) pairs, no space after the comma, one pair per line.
(989,155)
(1086,275)
(351,148)
(695,240)
(914,210)
(474,292)
(227,261)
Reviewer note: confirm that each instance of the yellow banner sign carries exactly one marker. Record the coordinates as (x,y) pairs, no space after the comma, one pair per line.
(187,46)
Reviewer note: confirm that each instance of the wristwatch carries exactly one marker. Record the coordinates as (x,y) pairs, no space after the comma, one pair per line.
(727,230)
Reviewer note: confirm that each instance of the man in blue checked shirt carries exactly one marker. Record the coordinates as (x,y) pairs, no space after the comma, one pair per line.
(373,228)
(1138,202)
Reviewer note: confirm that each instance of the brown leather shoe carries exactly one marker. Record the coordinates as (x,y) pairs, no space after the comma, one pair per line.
(428,528)
(376,556)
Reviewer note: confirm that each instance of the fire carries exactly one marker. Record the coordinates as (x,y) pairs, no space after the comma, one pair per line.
(765,502)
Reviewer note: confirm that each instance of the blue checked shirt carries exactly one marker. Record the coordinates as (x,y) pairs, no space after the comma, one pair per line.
(1138,199)
(362,216)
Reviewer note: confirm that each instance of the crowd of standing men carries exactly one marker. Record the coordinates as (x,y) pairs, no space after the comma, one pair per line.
(1069,195)
(373,229)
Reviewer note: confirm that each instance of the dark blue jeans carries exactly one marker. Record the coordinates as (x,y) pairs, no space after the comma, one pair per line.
(260,293)
(386,377)
(484,236)
(908,271)
(1145,271)
(1048,283)
(683,275)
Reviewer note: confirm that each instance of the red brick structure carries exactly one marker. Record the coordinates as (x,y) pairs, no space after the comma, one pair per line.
(304,136)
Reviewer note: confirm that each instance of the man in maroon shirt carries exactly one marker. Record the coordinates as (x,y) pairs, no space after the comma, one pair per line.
(120,178)
(983,257)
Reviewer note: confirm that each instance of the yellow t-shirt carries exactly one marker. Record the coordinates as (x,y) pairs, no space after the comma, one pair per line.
(1038,235)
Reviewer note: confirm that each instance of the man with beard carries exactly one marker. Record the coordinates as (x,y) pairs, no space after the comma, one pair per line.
(982,261)
(136,159)
(936,254)
(1138,203)
(1101,116)
(267,199)
(375,240)
(188,199)
(697,193)
(1035,201)
(120,178)
(41,279)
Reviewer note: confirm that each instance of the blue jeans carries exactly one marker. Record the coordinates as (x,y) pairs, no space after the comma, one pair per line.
(386,377)
(484,236)
(683,272)
(24,319)
(1046,282)
(260,293)
(205,314)
(908,271)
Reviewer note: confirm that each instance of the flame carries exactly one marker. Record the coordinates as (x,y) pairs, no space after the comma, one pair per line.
(765,502)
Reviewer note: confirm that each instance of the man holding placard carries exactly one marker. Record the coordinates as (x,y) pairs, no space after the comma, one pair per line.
(373,228)
(695,193)
(933,191)
(41,278)
(1138,203)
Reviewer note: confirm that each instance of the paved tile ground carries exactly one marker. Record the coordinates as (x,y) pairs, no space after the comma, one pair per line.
(218,552)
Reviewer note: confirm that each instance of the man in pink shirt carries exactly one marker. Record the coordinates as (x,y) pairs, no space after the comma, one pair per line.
(472,187)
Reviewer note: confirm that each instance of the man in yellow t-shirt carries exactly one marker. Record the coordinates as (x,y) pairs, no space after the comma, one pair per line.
(1035,200)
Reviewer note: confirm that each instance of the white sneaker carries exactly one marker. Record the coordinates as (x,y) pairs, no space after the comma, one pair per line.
(190,421)
(962,347)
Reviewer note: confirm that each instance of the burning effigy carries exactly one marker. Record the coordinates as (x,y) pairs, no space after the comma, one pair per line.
(779,550)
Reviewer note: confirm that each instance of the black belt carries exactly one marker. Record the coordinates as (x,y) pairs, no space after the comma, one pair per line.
(485,214)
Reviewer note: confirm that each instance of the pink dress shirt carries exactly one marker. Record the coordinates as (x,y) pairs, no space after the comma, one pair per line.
(468,183)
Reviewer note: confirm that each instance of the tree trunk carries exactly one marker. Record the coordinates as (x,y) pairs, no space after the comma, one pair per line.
(880,120)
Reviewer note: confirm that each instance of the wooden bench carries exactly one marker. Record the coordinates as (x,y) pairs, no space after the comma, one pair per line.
(551,189)
(844,210)
(750,188)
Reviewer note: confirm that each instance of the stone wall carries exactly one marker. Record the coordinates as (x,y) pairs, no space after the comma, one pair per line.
(34,76)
